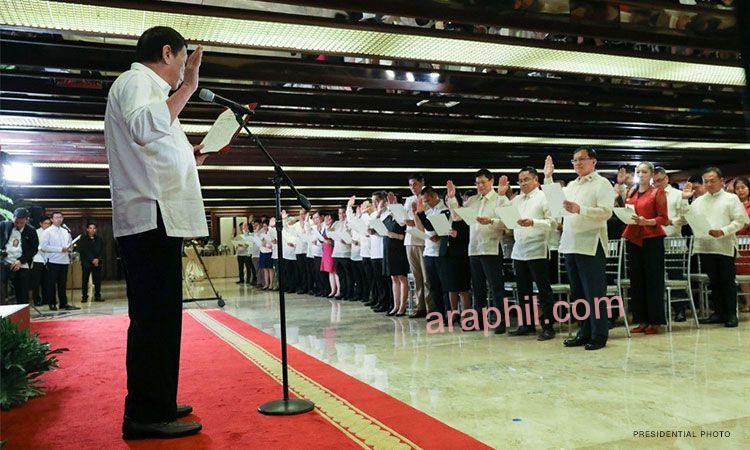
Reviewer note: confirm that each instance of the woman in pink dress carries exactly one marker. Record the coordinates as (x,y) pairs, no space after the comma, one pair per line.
(327,264)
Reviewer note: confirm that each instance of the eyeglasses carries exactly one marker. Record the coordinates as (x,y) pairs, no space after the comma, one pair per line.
(574,161)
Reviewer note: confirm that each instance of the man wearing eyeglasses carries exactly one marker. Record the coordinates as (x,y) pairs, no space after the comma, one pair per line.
(588,206)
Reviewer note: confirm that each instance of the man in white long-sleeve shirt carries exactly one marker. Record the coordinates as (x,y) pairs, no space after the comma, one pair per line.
(56,243)
(156,204)
(583,242)
(717,248)
(485,257)
(531,252)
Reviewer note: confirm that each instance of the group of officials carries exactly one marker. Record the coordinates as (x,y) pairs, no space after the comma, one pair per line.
(370,265)
(36,261)
(156,200)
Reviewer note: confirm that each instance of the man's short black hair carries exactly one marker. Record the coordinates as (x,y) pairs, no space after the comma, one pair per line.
(382,195)
(628,169)
(716,170)
(660,169)
(529,169)
(590,152)
(416,176)
(428,190)
(484,173)
(92,223)
(153,40)
(696,179)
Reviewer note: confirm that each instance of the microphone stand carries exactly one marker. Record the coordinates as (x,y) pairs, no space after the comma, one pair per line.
(285,406)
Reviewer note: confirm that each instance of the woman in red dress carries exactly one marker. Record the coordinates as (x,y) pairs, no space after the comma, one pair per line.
(742,189)
(645,248)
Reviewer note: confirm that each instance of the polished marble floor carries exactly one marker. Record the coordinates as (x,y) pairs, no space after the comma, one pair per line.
(517,392)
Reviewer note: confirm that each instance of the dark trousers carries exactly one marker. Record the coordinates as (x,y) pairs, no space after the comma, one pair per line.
(152,263)
(245,264)
(324,286)
(528,273)
(96,274)
(57,280)
(588,281)
(302,273)
(290,275)
(722,273)
(646,272)
(358,277)
(438,294)
(487,269)
(344,270)
(312,274)
(381,285)
(367,281)
(20,281)
(38,284)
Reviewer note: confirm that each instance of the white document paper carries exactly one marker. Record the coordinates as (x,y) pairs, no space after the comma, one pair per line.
(510,216)
(699,224)
(358,225)
(555,199)
(398,211)
(224,129)
(625,214)
(440,223)
(379,227)
(417,233)
(468,214)
(345,236)
(73,242)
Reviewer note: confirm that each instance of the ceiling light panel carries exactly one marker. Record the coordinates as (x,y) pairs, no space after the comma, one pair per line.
(25,122)
(122,22)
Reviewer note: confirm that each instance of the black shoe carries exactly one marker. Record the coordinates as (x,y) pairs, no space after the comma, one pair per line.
(732,322)
(390,313)
(98,299)
(679,317)
(184,410)
(70,308)
(418,314)
(714,319)
(240,282)
(53,307)
(338,297)
(594,345)
(575,342)
(500,329)
(546,335)
(162,430)
(523,330)
(84,300)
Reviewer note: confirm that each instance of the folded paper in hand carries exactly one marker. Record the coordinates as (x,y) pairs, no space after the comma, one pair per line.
(223,132)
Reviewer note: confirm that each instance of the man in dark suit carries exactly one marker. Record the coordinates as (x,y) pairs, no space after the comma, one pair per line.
(18,245)
(91,248)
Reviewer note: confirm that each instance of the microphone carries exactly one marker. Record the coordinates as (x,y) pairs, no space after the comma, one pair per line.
(208,96)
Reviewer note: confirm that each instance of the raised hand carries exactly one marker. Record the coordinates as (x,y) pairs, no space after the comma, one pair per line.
(351,201)
(502,186)
(192,67)
(450,189)
(392,198)
(687,190)
(549,167)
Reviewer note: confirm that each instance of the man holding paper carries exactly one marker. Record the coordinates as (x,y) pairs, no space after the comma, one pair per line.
(57,244)
(588,203)
(717,247)
(485,233)
(156,204)
(415,249)
(531,253)
(427,206)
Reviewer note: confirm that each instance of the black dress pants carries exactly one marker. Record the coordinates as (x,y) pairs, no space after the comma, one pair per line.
(20,281)
(358,277)
(324,285)
(94,272)
(302,273)
(438,294)
(487,269)
(588,281)
(722,276)
(344,270)
(646,272)
(152,262)
(57,280)
(367,281)
(527,273)
(245,264)
(38,284)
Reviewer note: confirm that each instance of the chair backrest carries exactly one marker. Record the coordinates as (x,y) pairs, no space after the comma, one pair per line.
(562,274)
(613,257)
(743,255)
(506,245)
(677,250)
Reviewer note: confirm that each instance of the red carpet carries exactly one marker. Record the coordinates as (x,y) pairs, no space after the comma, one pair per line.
(84,401)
